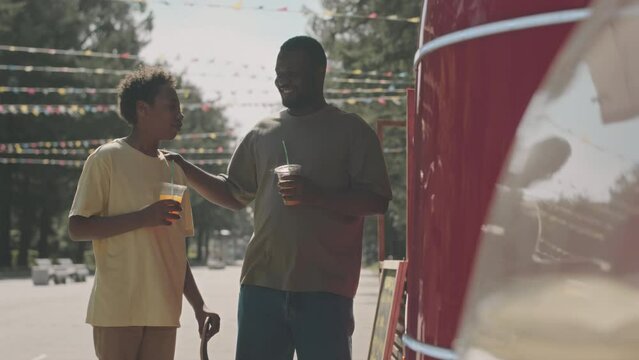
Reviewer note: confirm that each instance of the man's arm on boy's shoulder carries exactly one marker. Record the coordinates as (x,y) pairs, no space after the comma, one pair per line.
(83,228)
(192,294)
(214,188)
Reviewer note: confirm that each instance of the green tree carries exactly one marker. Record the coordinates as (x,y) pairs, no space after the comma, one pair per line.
(36,198)
(381,46)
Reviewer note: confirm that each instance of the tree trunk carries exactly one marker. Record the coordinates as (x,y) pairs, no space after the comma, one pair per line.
(45,230)
(235,240)
(26,222)
(200,240)
(6,185)
(206,245)
(79,253)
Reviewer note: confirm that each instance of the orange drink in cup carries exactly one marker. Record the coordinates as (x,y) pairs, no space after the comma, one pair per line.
(170,191)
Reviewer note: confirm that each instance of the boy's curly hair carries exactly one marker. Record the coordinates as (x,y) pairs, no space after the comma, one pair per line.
(141,85)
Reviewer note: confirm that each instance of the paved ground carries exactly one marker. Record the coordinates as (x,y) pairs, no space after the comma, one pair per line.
(47,322)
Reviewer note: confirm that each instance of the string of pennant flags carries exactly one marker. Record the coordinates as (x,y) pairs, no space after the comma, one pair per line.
(103,71)
(329,15)
(84,152)
(69,52)
(394,82)
(100,71)
(117,55)
(64,91)
(382,100)
(219,150)
(88,143)
(69,90)
(83,109)
(64,69)
(80,163)
(325,15)
(80,109)
(390,90)
(75,163)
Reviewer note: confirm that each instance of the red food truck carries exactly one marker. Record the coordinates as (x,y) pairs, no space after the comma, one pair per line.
(523,182)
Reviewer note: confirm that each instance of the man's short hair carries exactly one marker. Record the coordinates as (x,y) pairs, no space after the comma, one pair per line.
(141,85)
(309,46)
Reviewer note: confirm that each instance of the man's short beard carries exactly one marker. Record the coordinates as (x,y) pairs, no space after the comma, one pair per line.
(295,103)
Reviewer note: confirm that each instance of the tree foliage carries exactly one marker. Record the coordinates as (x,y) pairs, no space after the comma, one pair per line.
(36,198)
(381,46)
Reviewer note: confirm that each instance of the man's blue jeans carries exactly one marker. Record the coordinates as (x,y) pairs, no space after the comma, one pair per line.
(274,323)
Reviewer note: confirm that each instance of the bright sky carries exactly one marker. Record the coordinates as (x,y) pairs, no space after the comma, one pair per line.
(233,38)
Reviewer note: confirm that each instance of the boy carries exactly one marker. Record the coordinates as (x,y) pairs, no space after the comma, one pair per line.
(138,240)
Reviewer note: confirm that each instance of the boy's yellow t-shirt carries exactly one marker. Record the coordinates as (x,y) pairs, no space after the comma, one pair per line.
(139,277)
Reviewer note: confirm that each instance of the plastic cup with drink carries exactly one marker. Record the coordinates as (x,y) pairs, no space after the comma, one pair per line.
(285,170)
(170,191)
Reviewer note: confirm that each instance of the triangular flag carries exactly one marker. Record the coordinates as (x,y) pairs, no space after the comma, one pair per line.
(237,5)
(329,14)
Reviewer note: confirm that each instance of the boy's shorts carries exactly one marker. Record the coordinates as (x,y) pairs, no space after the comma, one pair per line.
(134,342)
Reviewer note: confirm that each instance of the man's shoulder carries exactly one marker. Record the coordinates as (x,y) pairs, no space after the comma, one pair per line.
(345,116)
(268,123)
(351,120)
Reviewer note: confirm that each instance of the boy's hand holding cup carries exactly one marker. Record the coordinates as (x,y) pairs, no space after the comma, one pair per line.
(167,209)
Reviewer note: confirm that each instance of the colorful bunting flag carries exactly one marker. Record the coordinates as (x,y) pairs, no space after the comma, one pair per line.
(17,150)
(101,71)
(178,57)
(238,5)
(80,163)
(64,91)
(18,147)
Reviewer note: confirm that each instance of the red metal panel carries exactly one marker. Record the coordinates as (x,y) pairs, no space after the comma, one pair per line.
(411,178)
(471,97)
(445,16)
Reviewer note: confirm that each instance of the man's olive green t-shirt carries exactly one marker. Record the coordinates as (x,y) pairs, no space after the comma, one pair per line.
(139,276)
(306,248)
